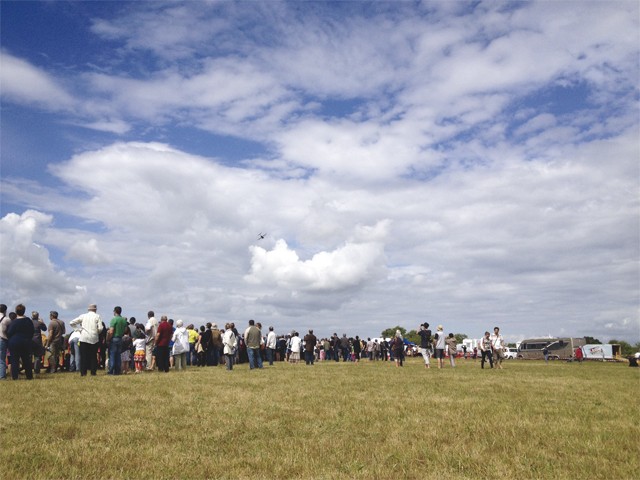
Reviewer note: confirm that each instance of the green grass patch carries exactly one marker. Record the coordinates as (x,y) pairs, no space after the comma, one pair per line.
(332,420)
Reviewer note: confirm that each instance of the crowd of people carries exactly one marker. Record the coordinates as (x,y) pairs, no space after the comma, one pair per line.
(128,346)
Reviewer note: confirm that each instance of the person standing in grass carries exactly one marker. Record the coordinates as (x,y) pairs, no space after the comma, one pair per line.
(397,346)
(229,342)
(163,337)
(180,346)
(20,334)
(139,347)
(497,344)
(485,349)
(252,339)
(310,341)
(440,346)
(425,344)
(5,320)
(193,339)
(55,341)
(90,325)
(452,348)
(295,344)
(38,347)
(579,355)
(150,329)
(271,345)
(114,339)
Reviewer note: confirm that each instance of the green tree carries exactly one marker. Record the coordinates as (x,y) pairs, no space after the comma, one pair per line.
(390,332)
(592,341)
(412,336)
(460,337)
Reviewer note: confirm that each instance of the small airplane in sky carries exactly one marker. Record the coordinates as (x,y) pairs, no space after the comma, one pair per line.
(261,236)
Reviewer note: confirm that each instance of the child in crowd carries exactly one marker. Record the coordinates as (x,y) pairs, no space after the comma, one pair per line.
(139,346)
(125,356)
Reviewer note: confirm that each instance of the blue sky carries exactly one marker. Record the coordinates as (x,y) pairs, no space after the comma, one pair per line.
(465,164)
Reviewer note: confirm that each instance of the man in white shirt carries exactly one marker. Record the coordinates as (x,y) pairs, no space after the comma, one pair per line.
(271,345)
(151,328)
(89,325)
(497,344)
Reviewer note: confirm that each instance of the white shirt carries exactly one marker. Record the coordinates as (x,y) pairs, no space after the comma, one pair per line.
(496,341)
(89,324)
(151,329)
(440,341)
(4,326)
(271,340)
(180,341)
(229,341)
(139,344)
(295,344)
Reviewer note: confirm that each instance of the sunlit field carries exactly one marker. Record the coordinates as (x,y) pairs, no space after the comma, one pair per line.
(332,420)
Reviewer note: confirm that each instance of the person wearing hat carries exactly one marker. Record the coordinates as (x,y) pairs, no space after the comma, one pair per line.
(440,344)
(89,325)
(216,344)
(425,344)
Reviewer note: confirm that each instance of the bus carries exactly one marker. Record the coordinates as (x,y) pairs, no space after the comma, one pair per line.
(559,348)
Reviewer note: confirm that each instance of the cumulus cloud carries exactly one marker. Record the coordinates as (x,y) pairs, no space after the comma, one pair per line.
(344,268)
(27,269)
(469,164)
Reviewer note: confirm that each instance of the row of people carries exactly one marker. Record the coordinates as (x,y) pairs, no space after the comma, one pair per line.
(126,345)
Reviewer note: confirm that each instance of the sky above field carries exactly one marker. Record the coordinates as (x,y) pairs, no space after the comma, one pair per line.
(468,164)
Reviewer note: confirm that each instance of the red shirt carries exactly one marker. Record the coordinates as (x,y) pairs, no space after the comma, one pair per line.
(165,332)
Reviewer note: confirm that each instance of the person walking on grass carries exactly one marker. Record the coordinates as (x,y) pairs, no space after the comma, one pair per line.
(425,344)
(497,345)
(452,348)
(440,346)
(485,349)
(398,348)
(89,324)
(20,334)
(230,343)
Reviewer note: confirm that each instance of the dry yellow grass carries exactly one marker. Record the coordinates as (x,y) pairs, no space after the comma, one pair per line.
(370,420)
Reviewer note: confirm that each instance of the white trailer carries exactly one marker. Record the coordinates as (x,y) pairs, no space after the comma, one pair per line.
(601,352)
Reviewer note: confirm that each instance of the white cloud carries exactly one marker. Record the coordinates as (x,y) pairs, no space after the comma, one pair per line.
(408,170)
(24,82)
(27,270)
(344,268)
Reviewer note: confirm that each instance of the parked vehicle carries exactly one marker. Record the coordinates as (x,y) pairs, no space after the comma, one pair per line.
(559,348)
(510,353)
(602,352)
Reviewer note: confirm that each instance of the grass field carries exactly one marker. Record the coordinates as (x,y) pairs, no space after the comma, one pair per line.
(331,420)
